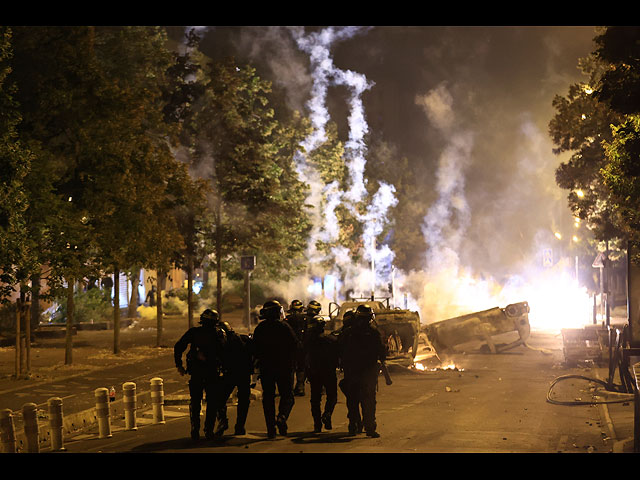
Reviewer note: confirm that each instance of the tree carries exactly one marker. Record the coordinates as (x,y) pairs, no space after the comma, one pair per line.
(580,126)
(184,89)
(16,256)
(256,198)
(53,71)
(134,175)
(618,89)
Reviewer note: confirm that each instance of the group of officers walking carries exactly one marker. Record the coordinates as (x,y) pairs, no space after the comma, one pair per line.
(286,352)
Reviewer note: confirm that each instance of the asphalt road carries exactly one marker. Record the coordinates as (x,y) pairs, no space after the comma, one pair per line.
(487,404)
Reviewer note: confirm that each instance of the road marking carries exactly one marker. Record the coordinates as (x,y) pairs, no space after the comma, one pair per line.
(412,403)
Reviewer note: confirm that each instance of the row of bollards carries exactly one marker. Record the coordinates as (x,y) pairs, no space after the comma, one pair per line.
(8,442)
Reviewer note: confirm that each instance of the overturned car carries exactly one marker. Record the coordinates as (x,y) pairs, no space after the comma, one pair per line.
(444,335)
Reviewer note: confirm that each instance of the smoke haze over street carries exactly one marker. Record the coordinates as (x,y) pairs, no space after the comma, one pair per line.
(469,108)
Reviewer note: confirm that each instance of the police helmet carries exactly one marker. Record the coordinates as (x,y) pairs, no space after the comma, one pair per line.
(317,323)
(209,317)
(347,318)
(272,310)
(314,308)
(226,327)
(296,305)
(364,314)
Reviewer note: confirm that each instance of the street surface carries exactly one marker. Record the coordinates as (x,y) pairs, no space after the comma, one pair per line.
(486,403)
(490,404)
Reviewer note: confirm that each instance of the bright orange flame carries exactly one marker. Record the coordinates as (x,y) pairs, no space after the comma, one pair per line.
(553,294)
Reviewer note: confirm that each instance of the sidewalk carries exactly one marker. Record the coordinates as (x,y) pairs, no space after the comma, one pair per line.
(94,366)
(618,417)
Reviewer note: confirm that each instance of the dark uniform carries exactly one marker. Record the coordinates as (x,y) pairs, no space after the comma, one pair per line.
(204,365)
(360,349)
(237,371)
(297,320)
(275,345)
(321,364)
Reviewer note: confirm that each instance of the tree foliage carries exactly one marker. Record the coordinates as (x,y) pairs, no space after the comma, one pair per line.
(17,257)
(619,89)
(579,127)
(246,154)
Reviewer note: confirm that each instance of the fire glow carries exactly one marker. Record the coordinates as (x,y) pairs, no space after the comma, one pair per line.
(451,366)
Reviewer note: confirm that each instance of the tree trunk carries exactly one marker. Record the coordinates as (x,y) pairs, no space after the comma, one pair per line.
(18,370)
(116,311)
(160,275)
(218,249)
(190,292)
(35,301)
(132,312)
(68,340)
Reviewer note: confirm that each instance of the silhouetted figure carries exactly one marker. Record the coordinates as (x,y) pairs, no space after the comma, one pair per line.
(275,346)
(151,296)
(321,363)
(204,365)
(237,371)
(360,349)
(296,318)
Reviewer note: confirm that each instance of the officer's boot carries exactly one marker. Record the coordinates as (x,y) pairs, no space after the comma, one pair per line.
(195,423)
(326,420)
(223,424)
(281,423)
(208,427)
(317,424)
(299,388)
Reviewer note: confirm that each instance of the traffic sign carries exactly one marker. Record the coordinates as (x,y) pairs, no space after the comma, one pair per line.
(247,262)
(599,261)
(547,257)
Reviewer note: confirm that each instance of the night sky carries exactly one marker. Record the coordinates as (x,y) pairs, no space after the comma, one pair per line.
(434,87)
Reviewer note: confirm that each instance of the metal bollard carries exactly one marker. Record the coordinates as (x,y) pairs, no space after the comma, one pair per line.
(103,412)
(31,432)
(129,401)
(55,423)
(7,432)
(157,399)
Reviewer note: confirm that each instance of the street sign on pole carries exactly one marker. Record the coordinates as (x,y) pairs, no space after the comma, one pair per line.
(247,262)
(598,262)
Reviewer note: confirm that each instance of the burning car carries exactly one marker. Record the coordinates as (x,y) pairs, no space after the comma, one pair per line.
(484,325)
(400,328)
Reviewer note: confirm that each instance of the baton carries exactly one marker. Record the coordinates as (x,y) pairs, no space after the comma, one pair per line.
(385,372)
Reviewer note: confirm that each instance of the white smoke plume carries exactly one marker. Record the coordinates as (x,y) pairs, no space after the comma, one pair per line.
(325,75)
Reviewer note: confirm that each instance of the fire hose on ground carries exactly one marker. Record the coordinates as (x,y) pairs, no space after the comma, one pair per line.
(627,388)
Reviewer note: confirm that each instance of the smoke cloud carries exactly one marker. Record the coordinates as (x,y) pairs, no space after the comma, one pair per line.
(469,107)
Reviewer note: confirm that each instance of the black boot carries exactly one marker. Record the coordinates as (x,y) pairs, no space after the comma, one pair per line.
(195,423)
(317,425)
(195,429)
(281,423)
(223,424)
(326,420)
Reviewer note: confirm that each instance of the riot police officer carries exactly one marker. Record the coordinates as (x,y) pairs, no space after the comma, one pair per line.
(297,319)
(237,371)
(204,365)
(321,364)
(360,349)
(275,345)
